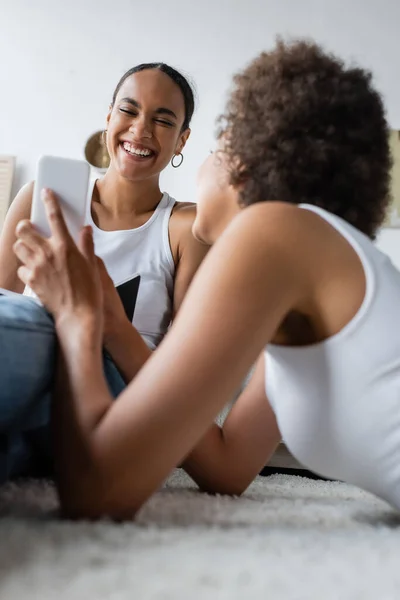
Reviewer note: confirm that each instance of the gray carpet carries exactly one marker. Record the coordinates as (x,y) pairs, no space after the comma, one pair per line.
(287,538)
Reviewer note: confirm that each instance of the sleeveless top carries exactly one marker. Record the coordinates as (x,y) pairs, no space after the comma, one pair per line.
(141,265)
(337,402)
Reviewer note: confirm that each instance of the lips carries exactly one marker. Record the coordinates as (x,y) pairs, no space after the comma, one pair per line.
(137,151)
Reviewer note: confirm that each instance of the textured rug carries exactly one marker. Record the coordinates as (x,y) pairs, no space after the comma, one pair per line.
(287,538)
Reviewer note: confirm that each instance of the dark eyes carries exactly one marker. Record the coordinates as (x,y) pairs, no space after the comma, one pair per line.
(128,112)
(167,123)
(132,113)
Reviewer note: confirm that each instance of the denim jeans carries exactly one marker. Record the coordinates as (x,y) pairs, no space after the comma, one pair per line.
(28,349)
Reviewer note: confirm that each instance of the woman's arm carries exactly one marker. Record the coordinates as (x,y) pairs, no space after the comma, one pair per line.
(228,458)
(241,294)
(20,209)
(121,339)
(128,350)
(189,252)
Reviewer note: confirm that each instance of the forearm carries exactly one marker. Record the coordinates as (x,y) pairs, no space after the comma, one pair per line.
(227,459)
(81,400)
(9,279)
(215,464)
(128,350)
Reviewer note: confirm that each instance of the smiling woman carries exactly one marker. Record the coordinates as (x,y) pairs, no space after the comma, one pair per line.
(162,117)
(142,235)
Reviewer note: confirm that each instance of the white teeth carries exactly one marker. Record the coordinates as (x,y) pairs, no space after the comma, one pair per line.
(135,151)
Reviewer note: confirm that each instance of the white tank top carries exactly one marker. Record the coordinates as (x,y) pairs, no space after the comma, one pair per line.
(142,259)
(337,402)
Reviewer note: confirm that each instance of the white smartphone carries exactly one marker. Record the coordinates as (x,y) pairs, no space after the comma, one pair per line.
(69,179)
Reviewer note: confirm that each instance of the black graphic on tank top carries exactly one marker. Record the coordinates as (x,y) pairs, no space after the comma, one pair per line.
(128,292)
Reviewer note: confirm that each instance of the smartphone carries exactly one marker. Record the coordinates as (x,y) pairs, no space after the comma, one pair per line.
(69,179)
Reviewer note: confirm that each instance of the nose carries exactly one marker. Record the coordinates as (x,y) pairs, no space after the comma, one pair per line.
(141,128)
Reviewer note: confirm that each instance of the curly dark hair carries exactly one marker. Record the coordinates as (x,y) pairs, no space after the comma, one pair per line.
(301,127)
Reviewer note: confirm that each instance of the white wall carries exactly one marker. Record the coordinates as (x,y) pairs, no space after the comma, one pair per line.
(62,59)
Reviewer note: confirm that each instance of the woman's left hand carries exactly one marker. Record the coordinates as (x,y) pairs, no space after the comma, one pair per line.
(64,277)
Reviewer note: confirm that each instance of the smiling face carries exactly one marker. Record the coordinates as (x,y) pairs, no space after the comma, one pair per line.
(144,126)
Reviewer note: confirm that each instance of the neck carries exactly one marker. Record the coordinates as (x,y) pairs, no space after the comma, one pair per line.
(121,196)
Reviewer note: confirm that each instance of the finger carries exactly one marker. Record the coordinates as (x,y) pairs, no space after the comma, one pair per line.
(27,233)
(100,262)
(86,244)
(101,266)
(56,220)
(103,270)
(103,273)
(23,252)
(24,275)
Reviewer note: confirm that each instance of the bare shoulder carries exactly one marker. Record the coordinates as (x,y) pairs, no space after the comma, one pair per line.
(277,224)
(20,209)
(180,206)
(263,216)
(23,200)
(187,251)
(183,214)
(275,241)
(181,236)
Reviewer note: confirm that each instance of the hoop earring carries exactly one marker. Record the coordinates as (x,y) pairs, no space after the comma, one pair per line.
(181,161)
(103,137)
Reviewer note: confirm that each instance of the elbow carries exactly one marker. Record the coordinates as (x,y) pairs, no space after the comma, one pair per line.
(239,490)
(95,506)
(80,499)
(229,487)
(236,489)
(74,509)
(94,497)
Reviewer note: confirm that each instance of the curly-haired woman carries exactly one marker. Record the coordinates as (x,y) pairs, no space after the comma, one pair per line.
(291,200)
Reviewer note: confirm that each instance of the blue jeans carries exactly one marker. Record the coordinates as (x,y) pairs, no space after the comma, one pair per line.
(28,350)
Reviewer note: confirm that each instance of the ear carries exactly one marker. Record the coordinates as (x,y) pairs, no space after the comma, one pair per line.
(108,117)
(183,138)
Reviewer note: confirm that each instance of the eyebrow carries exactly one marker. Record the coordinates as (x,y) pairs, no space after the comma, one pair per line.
(159,111)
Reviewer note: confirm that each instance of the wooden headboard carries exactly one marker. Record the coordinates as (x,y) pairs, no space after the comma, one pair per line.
(7,166)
